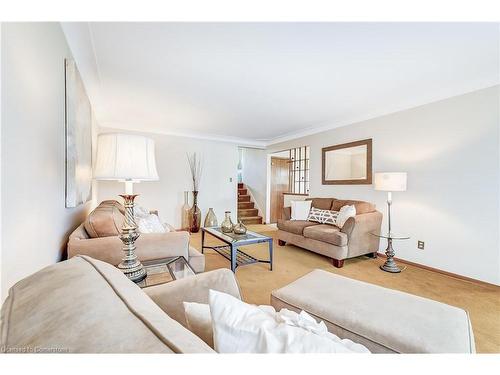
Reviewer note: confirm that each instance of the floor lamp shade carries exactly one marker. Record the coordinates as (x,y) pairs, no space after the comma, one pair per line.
(390,181)
(125,157)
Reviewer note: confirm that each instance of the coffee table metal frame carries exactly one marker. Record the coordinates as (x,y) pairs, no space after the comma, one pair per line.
(233,242)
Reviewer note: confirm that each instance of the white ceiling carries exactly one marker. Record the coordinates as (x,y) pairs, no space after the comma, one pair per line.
(259,83)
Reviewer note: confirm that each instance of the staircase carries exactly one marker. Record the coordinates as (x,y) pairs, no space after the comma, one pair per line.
(247,212)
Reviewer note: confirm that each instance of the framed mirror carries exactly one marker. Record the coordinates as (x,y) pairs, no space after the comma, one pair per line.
(348,163)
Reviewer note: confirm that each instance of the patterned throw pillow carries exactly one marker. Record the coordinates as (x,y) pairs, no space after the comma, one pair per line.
(323,216)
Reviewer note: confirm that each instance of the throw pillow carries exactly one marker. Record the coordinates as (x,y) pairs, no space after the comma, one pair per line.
(104,221)
(345,213)
(199,321)
(300,210)
(242,328)
(147,222)
(323,216)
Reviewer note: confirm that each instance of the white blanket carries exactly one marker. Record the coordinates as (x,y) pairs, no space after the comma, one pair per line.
(242,328)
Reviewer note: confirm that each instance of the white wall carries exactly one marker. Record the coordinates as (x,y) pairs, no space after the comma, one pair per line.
(35,222)
(218,187)
(254,176)
(450,150)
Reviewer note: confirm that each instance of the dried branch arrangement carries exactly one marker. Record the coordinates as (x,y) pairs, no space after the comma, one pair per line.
(196,167)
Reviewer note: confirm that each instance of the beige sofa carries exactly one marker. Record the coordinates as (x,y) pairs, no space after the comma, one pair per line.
(98,238)
(352,240)
(83,305)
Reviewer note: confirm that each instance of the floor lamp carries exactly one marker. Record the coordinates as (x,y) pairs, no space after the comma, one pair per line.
(127,158)
(390,182)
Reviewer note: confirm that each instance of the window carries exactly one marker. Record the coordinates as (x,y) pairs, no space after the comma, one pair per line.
(299,170)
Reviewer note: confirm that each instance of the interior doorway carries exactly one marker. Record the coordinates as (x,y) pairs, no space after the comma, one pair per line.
(287,179)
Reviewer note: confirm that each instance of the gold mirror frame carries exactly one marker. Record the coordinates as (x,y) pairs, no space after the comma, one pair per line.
(365,181)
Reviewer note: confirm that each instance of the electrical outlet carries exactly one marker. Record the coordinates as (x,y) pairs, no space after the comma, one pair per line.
(420,245)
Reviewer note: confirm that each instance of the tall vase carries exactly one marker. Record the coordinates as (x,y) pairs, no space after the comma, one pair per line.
(210,219)
(195,215)
(185,221)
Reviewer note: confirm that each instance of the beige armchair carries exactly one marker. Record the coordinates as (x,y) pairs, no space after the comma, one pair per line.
(98,238)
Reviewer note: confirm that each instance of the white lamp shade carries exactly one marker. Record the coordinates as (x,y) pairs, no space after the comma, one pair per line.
(125,157)
(390,181)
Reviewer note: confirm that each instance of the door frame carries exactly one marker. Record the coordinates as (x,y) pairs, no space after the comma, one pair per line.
(268,188)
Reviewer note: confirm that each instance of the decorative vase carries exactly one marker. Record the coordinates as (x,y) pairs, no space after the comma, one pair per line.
(210,219)
(227,224)
(240,228)
(195,215)
(185,212)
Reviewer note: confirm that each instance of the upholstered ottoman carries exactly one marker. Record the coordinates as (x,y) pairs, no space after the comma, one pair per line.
(384,320)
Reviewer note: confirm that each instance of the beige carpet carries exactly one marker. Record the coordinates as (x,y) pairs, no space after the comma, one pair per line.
(290,262)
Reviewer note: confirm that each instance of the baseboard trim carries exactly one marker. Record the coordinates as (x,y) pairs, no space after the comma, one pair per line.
(446,273)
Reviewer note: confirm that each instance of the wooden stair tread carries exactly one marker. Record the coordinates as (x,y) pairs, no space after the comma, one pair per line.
(245,205)
(251,220)
(247,212)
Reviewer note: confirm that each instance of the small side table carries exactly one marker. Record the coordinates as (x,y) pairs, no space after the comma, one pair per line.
(390,265)
(164,270)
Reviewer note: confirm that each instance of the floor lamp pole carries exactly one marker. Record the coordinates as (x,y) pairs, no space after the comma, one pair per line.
(389,203)
(389,265)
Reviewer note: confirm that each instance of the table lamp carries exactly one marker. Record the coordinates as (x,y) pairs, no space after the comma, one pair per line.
(128,158)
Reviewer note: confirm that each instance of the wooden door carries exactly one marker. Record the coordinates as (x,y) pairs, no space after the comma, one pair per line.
(279,185)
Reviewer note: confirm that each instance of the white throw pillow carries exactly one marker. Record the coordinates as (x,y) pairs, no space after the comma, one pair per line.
(300,210)
(147,222)
(242,328)
(199,321)
(345,213)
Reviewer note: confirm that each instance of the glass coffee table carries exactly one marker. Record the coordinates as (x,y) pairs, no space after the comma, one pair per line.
(232,242)
(164,270)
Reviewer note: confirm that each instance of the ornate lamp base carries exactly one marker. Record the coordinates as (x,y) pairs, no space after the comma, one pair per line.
(130,265)
(135,271)
(390,264)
